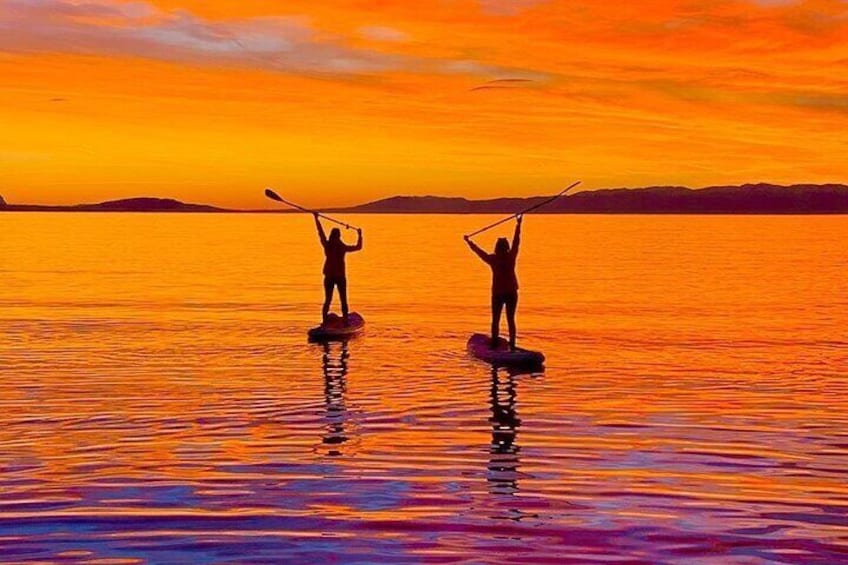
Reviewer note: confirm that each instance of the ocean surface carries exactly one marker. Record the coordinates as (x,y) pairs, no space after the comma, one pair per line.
(159,402)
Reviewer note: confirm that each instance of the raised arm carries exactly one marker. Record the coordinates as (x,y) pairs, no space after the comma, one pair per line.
(358,245)
(476,249)
(321,233)
(516,238)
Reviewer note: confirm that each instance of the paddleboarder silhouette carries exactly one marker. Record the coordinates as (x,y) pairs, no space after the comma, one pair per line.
(504,280)
(335,275)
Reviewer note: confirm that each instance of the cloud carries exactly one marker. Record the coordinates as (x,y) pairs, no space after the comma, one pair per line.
(507,7)
(139,30)
(503,84)
(828,102)
(278,43)
(581,48)
(382,33)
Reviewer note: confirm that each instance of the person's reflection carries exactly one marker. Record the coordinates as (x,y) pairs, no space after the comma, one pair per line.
(502,470)
(335,387)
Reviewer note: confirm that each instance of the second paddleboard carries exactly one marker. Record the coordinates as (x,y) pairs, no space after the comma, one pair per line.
(480,346)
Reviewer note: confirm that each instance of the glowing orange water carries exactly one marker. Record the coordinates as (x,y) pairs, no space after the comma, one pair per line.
(159,401)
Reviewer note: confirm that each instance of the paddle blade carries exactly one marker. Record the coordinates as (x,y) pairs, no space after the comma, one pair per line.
(272,195)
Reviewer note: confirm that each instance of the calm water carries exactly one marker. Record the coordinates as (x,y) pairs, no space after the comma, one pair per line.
(159,402)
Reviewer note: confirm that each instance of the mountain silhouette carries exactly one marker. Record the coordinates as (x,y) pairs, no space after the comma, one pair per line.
(144,204)
(150,205)
(746,199)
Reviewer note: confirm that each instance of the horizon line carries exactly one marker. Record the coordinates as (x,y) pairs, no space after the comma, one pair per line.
(214,208)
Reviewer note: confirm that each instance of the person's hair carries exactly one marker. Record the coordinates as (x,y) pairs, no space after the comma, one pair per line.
(502,246)
(335,234)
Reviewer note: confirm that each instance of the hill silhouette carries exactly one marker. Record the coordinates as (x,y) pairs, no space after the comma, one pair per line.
(144,204)
(745,199)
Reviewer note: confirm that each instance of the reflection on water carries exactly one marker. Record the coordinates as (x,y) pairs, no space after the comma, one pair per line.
(504,460)
(164,408)
(334,365)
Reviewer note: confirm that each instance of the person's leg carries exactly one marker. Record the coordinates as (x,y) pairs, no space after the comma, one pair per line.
(497,307)
(343,297)
(511,305)
(328,297)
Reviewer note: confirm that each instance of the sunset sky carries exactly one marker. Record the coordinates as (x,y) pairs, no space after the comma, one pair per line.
(337,102)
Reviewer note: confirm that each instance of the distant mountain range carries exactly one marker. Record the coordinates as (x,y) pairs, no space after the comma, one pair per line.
(745,199)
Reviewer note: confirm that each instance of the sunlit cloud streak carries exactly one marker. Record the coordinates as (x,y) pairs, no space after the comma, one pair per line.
(278,43)
(140,30)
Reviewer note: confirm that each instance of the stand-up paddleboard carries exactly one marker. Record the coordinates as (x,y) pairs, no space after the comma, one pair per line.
(479,346)
(335,328)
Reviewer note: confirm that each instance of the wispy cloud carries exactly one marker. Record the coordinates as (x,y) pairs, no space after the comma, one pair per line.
(507,7)
(383,33)
(503,83)
(140,30)
(276,43)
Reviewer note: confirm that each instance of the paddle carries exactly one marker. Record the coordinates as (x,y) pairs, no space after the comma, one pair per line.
(274,196)
(530,209)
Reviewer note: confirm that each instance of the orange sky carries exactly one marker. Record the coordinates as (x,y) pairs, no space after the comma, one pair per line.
(341,101)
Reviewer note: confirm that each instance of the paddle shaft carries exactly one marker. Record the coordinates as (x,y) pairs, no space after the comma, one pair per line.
(279,198)
(530,209)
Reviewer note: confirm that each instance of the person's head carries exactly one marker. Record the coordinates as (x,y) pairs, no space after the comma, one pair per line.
(502,246)
(335,234)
